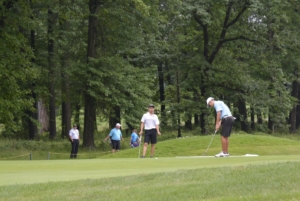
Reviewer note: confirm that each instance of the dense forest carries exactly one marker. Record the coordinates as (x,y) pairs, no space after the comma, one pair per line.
(108,59)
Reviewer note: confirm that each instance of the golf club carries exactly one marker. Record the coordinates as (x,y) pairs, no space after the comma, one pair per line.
(204,154)
(140,146)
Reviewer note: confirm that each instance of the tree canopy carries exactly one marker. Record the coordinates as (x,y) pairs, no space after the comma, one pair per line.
(109,59)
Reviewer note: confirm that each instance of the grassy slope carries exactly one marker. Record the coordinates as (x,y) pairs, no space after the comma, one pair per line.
(272,176)
(239,145)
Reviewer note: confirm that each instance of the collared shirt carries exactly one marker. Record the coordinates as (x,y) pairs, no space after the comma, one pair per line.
(115,134)
(221,106)
(150,121)
(74,134)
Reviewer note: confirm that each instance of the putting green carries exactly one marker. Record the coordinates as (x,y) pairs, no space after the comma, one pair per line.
(28,172)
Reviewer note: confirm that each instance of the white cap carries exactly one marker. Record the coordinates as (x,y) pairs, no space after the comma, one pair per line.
(208,100)
(118,124)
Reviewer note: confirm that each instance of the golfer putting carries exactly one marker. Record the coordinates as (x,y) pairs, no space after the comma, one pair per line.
(225,119)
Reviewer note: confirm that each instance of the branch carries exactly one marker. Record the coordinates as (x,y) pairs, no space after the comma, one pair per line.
(246,5)
(238,38)
(228,11)
(222,35)
(226,25)
(205,34)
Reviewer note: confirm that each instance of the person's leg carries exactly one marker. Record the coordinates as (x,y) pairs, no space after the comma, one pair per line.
(76,144)
(152,150)
(72,150)
(114,146)
(145,149)
(226,132)
(225,142)
(153,141)
(146,142)
(118,146)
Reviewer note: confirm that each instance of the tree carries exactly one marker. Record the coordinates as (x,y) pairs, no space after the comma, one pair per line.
(52,70)
(16,67)
(89,99)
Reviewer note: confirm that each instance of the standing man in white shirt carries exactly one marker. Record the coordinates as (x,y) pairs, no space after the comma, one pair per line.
(150,123)
(74,137)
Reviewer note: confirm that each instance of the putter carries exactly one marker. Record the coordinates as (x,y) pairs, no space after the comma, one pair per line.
(140,146)
(204,154)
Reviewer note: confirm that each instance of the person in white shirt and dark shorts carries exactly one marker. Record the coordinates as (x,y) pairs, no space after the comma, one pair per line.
(74,137)
(150,123)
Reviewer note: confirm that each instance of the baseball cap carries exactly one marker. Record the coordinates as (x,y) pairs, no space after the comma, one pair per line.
(118,124)
(74,125)
(208,100)
(150,105)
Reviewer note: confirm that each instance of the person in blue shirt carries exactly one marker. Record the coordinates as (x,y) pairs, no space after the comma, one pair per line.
(224,118)
(134,139)
(116,136)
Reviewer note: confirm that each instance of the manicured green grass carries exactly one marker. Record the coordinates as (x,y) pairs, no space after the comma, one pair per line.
(38,171)
(238,145)
(273,175)
(168,146)
(249,178)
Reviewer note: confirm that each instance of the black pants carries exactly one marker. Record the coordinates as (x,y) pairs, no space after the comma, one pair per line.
(150,136)
(227,124)
(74,149)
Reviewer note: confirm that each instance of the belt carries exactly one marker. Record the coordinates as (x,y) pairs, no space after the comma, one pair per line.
(225,117)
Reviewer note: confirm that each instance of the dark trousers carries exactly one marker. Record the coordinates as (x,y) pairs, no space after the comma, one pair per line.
(74,149)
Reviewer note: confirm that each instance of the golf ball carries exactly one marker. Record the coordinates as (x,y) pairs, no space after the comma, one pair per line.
(156,158)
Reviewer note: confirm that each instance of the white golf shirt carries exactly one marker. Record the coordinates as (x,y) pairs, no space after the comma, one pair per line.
(74,134)
(150,121)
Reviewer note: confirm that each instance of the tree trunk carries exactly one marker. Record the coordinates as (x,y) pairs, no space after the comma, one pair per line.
(89,121)
(52,113)
(66,103)
(202,123)
(43,117)
(259,118)
(203,114)
(243,115)
(115,117)
(90,101)
(196,120)
(77,115)
(178,102)
(33,118)
(298,109)
(188,123)
(270,123)
(293,113)
(252,119)
(161,89)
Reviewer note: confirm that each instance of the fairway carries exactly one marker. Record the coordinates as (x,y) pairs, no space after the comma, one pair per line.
(30,172)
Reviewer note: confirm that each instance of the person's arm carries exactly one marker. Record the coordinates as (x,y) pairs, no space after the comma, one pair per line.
(70,135)
(142,128)
(78,135)
(157,125)
(157,129)
(218,120)
(110,134)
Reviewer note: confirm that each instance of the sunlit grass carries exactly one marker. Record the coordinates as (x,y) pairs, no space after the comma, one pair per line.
(274,181)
